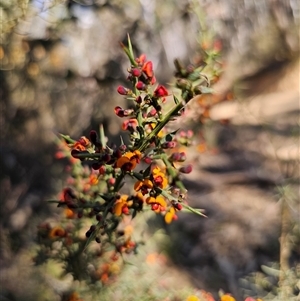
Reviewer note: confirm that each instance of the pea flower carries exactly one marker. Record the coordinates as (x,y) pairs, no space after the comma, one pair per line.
(143,186)
(158,204)
(121,205)
(159,178)
(129,160)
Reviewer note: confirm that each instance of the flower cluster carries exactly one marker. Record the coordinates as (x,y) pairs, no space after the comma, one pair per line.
(93,238)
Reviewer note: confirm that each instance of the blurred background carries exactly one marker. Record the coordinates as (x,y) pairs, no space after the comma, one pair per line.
(60,65)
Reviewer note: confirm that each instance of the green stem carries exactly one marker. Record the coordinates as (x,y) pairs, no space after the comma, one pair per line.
(129,51)
(85,155)
(185,206)
(160,126)
(193,210)
(67,138)
(173,173)
(119,180)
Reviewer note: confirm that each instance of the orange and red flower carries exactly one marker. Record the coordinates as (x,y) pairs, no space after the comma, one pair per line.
(69,213)
(159,177)
(227,297)
(129,160)
(74,297)
(161,91)
(130,124)
(170,215)
(57,231)
(158,204)
(121,205)
(143,186)
(81,144)
(147,68)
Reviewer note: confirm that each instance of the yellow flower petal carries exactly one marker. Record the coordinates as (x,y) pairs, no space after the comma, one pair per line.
(168,217)
(138,185)
(192,298)
(118,208)
(150,200)
(119,204)
(161,201)
(148,183)
(227,298)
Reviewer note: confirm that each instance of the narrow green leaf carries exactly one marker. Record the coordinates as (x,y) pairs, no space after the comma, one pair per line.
(129,53)
(169,137)
(193,210)
(92,236)
(133,214)
(54,201)
(176,100)
(105,197)
(147,172)
(138,176)
(67,138)
(130,46)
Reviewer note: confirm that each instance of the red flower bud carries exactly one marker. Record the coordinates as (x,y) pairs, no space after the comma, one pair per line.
(83,141)
(154,206)
(136,72)
(96,165)
(68,195)
(161,91)
(175,157)
(147,160)
(125,210)
(119,111)
(182,157)
(117,153)
(189,134)
(112,181)
(182,134)
(186,169)
(152,113)
(102,170)
(168,144)
(106,157)
(122,147)
(59,155)
(122,90)
(93,136)
(141,86)
(92,228)
(138,100)
(178,206)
